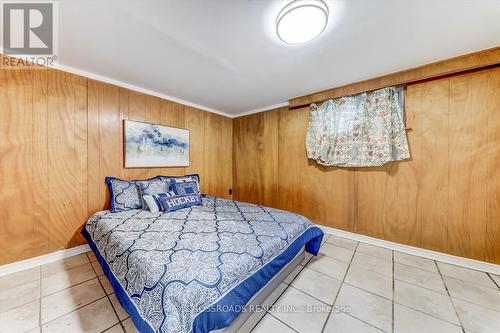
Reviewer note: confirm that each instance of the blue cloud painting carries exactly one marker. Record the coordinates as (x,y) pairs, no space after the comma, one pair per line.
(148,145)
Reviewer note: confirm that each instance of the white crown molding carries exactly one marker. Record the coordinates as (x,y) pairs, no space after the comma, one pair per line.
(42,260)
(262,109)
(433,255)
(122,84)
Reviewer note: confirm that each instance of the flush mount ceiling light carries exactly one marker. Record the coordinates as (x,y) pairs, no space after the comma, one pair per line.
(301,21)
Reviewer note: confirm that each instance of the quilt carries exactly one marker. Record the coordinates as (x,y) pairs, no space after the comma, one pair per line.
(194,269)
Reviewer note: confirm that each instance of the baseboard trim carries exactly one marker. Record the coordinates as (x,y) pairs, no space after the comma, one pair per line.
(41,260)
(447,258)
(443,257)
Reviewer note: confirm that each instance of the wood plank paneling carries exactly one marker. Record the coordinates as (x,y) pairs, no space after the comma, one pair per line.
(218,157)
(446,198)
(61,134)
(95,193)
(255,158)
(41,202)
(433,97)
(323,194)
(468,169)
(67,154)
(16,151)
(493,162)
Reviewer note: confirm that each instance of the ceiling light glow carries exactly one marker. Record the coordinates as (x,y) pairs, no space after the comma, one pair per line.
(301,21)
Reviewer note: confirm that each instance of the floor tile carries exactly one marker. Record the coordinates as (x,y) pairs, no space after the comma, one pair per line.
(424,300)
(371,281)
(496,278)
(106,284)
(67,279)
(419,277)
(129,326)
(372,263)
(329,266)
(410,321)
(466,274)
(318,285)
(94,317)
(342,242)
(368,307)
(257,315)
(115,329)
(376,251)
(325,238)
(20,295)
(19,278)
(97,268)
(20,319)
(308,313)
(91,256)
(343,323)
(271,324)
(419,262)
(307,258)
(336,252)
(67,300)
(477,318)
(486,297)
(64,265)
(120,311)
(293,274)
(273,297)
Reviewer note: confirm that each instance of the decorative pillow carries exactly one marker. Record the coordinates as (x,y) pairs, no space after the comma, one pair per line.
(152,187)
(177,202)
(153,201)
(124,194)
(174,180)
(184,188)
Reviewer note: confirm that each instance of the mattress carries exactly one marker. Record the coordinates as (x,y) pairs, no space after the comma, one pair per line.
(194,270)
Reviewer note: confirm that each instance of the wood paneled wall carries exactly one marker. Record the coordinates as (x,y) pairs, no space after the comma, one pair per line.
(446,198)
(61,134)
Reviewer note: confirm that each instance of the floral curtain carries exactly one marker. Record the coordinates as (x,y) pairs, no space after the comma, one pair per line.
(361,130)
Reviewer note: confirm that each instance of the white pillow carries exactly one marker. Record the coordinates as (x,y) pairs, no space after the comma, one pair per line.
(151,202)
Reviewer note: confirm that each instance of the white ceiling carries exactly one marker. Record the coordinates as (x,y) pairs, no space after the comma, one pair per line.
(223,55)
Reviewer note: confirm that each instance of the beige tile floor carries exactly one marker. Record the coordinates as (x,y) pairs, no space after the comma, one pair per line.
(350,287)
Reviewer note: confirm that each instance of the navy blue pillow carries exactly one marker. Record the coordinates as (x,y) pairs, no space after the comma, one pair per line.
(184,188)
(177,202)
(174,180)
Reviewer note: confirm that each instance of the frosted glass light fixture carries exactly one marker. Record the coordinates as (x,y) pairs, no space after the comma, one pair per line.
(301,21)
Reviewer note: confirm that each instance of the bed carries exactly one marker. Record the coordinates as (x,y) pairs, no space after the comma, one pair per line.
(195,269)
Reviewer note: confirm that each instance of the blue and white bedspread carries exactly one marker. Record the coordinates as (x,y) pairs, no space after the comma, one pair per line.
(193,269)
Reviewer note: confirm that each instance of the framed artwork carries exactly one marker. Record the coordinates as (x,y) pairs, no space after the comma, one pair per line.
(152,146)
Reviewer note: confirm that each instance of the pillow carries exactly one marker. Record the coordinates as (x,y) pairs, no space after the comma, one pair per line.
(184,188)
(177,202)
(152,187)
(174,180)
(153,203)
(124,194)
